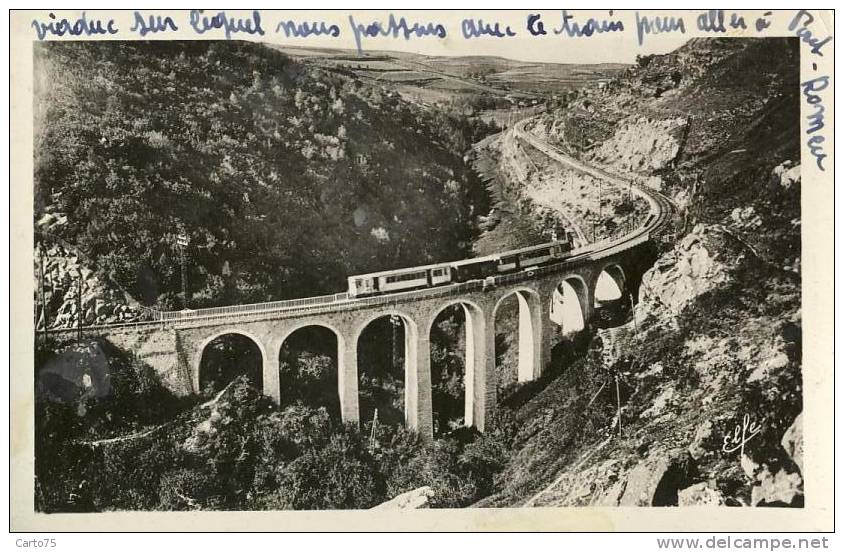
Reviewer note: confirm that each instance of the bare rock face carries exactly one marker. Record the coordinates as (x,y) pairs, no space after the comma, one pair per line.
(792,441)
(612,342)
(706,440)
(778,489)
(746,218)
(785,176)
(780,486)
(642,145)
(69,284)
(701,494)
(411,500)
(657,480)
(662,405)
(704,260)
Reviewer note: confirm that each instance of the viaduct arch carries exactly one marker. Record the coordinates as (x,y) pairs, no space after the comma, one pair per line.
(175,347)
(412,350)
(202,349)
(173,344)
(530,360)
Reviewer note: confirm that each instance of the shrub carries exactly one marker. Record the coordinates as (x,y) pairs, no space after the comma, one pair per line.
(188,489)
(342,475)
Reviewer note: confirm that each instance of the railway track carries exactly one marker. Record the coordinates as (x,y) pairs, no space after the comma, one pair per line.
(661,208)
(658,219)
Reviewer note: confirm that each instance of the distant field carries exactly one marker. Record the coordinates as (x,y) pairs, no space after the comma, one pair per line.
(358,65)
(478,80)
(401,76)
(430,95)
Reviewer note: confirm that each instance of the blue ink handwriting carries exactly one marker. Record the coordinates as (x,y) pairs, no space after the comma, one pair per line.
(657,25)
(202,23)
(535,26)
(573,29)
(152,24)
(81,26)
(473,28)
(714,21)
(763,23)
(396,28)
(805,19)
(816,119)
(305,29)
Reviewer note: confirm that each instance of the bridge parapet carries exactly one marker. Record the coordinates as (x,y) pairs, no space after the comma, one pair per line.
(174,342)
(179,360)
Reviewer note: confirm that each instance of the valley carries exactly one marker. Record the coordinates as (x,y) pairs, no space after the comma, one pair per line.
(293,168)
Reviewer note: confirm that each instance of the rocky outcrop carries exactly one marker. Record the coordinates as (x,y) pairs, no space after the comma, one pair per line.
(642,145)
(613,342)
(792,441)
(703,260)
(68,284)
(784,176)
(657,480)
(718,331)
(707,439)
(700,494)
(687,466)
(773,486)
(411,500)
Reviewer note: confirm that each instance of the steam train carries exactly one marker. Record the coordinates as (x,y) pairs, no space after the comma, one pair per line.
(480,268)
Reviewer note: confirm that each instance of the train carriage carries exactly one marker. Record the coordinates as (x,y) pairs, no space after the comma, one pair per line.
(473,269)
(507,263)
(399,280)
(533,256)
(481,268)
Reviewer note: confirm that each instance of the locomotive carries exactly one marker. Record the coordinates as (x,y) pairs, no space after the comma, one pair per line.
(480,268)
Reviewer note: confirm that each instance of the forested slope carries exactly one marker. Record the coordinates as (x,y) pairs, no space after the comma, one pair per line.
(286,178)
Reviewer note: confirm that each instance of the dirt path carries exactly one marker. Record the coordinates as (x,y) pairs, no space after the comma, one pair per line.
(150,431)
(122,438)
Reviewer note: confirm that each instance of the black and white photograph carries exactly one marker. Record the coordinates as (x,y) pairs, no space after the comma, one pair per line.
(269,274)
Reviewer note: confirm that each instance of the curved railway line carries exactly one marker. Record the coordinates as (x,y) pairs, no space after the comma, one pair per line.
(659,217)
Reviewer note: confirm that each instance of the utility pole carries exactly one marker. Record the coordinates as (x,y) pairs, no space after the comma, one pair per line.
(633,312)
(618,399)
(373,430)
(43,294)
(183,241)
(394,327)
(600,195)
(79,305)
(580,154)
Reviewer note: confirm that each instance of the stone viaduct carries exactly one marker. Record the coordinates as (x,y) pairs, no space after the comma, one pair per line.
(174,344)
(174,347)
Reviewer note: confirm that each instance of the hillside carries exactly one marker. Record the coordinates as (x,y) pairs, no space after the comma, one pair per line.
(286,178)
(467,82)
(717,331)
